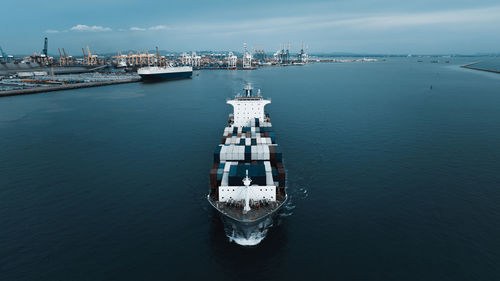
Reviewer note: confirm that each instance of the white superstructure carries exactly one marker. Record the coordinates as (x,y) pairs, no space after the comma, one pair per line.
(248,107)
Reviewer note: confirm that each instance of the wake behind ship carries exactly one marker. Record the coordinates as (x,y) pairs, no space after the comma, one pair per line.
(248,180)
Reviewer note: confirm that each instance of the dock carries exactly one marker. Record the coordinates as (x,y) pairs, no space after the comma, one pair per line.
(43,89)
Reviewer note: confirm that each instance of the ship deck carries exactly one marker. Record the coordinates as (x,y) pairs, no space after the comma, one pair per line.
(255,214)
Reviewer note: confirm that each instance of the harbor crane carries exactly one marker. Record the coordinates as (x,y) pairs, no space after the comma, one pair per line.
(61,58)
(45,47)
(91,59)
(4,56)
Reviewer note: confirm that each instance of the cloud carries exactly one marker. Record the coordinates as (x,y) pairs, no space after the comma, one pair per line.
(158,27)
(153,28)
(384,21)
(93,28)
(51,31)
(487,16)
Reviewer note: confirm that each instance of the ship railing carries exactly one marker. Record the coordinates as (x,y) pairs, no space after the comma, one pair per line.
(240,98)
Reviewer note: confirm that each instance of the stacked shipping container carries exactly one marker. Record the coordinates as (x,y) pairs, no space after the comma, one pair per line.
(251,148)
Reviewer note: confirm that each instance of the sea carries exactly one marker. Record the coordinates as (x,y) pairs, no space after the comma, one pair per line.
(393,173)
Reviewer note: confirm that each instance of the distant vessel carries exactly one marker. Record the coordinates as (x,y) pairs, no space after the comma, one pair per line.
(165,72)
(247,180)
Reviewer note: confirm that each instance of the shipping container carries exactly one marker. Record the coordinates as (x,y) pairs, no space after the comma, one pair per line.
(248,153)
(217,154)
(238,172)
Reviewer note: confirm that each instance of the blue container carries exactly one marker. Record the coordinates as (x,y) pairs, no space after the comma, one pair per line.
(256,172)
(279,157)
(248,153)
(217,154)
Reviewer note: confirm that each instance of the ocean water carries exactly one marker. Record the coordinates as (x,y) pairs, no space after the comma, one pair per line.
(389,179)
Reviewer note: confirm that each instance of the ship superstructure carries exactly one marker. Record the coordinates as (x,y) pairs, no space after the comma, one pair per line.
(247,180)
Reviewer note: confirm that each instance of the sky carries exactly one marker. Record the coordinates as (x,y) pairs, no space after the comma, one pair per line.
(355,26)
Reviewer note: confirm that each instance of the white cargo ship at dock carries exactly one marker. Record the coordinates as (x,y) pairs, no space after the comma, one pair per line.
(247,180)
(165,72)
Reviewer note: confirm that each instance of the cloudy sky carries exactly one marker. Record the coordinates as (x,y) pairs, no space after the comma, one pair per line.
(358,26)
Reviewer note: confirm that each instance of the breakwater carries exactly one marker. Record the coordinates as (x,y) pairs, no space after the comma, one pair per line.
(37,90)
(477,66)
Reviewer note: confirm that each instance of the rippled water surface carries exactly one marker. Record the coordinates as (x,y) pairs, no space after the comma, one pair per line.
(389,179)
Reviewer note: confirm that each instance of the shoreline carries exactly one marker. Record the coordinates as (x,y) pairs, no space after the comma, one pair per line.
(42,89)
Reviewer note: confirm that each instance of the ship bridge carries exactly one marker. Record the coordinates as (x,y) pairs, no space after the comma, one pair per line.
(248,107)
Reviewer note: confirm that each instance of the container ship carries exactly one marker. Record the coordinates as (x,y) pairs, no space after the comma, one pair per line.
(247,179)
(165,72)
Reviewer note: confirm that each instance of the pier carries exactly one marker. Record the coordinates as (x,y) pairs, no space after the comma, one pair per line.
(44,89)
(471,66)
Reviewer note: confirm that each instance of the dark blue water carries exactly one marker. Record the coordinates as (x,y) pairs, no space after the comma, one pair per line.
(389,180)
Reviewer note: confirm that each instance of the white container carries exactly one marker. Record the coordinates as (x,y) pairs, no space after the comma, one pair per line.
(234,153)
(269,178)
(225,179)
(267,154)
(229,152)
(260,152)
(228,141)
(222,153)
(254,152)
(248,141)
(267,166)
(242,153)
(227,167)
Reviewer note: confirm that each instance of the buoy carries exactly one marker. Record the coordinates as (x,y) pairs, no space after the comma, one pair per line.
(431,87)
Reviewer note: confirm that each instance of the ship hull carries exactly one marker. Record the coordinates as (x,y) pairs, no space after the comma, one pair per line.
(167,76)
(247,232)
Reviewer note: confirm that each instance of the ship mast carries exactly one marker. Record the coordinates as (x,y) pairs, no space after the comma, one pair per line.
(246,182)
(248,90)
